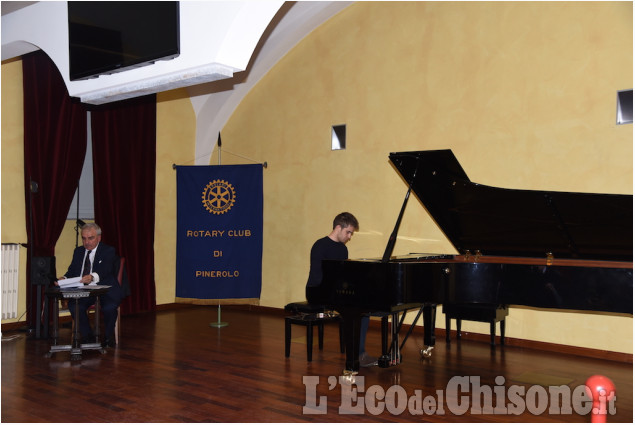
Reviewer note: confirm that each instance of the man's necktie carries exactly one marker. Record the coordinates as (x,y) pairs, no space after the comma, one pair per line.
(86,269)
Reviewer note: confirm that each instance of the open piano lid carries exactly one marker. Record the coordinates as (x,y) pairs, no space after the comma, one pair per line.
(523,223)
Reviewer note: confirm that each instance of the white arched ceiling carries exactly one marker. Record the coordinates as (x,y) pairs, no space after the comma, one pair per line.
(217,39)
(215,102)
(226,48)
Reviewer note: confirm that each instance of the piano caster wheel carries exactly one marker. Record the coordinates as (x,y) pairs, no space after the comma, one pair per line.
(427,352)
(383,361)
(348,377)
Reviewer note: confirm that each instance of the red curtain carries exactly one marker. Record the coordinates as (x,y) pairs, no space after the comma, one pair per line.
(54,151)
(124,164)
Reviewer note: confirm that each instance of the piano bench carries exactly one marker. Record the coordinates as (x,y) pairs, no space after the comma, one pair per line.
(309,315)
(487,313)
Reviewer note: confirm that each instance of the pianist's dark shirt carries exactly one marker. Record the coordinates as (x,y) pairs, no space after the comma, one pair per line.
(324,249)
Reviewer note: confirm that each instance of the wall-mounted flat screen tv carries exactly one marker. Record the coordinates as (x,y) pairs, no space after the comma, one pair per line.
(113,36)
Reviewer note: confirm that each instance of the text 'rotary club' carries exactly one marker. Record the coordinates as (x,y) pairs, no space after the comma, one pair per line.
(244,233)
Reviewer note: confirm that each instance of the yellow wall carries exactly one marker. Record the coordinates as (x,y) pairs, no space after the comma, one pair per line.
(523,93)
(176,137)
(13,222)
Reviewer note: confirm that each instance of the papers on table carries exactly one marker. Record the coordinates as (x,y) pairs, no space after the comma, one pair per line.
(72,282)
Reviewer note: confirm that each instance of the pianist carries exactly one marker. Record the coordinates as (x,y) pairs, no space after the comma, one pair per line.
(333,247)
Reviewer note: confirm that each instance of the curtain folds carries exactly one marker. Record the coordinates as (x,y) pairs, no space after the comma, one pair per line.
(54,151)
(124,164)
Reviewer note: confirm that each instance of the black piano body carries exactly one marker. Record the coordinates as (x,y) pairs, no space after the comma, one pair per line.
(554,250)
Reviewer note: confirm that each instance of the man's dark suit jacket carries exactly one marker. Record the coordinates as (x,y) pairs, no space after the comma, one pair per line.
(105,265)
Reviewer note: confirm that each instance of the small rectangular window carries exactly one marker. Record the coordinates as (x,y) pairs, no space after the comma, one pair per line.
(338,137)
(625,106)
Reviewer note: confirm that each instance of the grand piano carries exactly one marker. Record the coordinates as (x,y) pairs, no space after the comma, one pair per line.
(544,249)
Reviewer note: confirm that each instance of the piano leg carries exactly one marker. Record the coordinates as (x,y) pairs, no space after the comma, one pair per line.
(390,354)
(384,335)
(395,353)
(351,320)
(429,324)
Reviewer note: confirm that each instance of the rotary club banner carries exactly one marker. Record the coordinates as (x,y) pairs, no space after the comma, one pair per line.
(219,234)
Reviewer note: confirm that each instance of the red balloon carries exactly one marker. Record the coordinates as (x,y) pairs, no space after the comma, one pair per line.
(602,390)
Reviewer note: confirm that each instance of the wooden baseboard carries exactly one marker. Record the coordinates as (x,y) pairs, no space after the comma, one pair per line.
(15,326)
(23,326)
(539,345)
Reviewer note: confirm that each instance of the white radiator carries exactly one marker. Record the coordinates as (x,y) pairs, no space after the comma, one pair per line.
(10,268)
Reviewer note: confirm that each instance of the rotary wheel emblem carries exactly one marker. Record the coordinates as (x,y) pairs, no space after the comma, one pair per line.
(219,197)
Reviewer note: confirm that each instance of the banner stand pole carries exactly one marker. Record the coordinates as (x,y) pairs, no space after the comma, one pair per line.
(218,323)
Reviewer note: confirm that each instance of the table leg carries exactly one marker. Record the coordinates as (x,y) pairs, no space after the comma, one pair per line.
(56,314)
(76,346)
(97,310)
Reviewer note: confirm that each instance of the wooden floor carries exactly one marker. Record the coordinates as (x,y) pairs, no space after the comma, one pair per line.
(171,366)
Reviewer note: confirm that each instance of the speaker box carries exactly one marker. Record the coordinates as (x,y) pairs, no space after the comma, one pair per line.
(42,270)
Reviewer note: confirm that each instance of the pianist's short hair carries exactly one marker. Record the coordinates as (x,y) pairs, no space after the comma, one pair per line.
(92,226)
(344,220)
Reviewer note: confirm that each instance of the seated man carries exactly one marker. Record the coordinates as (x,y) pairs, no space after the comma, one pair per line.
(96,263)
(333,247)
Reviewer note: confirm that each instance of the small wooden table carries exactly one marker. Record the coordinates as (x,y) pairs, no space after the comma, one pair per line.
(76,347)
